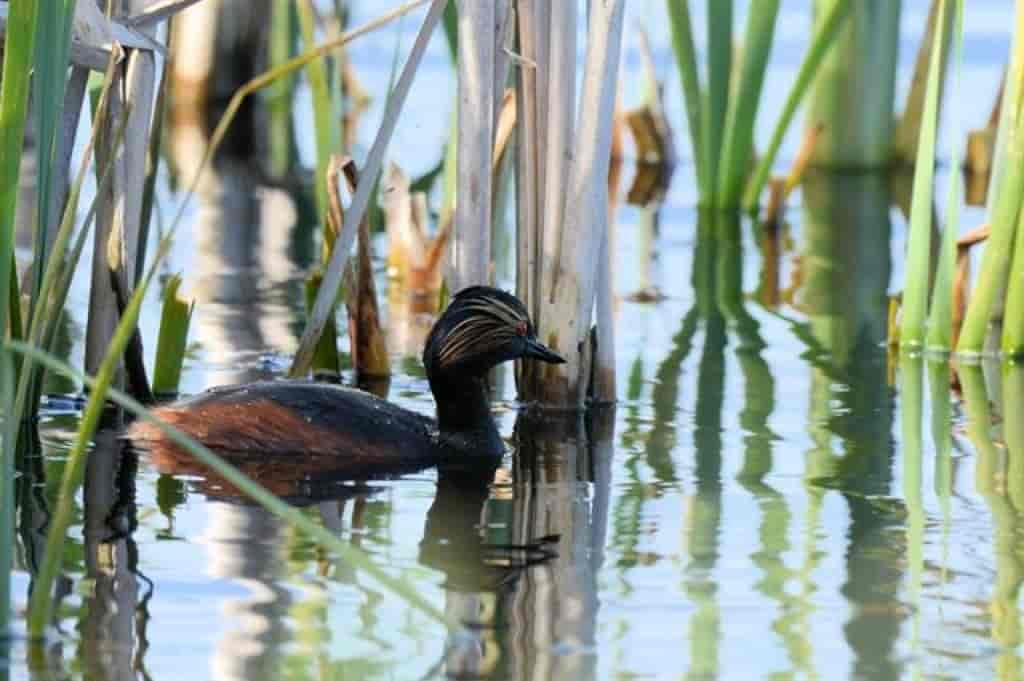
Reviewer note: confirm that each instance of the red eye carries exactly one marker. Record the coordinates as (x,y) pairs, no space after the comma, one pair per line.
(521,328)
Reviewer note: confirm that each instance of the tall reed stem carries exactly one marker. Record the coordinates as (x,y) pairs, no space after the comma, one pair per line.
(915,290)
(740,121)
(1005,204)
(855,91)
(940,320)
(719,79)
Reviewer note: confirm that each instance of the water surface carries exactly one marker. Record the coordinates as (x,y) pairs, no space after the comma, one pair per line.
(771,498)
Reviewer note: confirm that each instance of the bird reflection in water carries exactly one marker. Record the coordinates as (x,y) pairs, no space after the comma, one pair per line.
(517,549)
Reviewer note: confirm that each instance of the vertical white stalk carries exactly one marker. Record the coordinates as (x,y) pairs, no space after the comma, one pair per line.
(586,226)
(560,109)
(471,249)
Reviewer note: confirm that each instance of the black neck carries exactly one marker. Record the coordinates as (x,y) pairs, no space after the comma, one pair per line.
(463,408)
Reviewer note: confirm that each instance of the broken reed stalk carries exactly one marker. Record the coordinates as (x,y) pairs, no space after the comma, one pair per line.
(471,248)
(369,349)
(781,187)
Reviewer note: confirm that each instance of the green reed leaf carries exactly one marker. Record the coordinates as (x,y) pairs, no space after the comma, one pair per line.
(916,278)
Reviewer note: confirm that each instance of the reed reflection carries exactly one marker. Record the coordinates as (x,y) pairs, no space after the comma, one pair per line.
(793,608)
(845,267)
(114,616)
(561,482)
(704,516)
(1000,483)
(251,239)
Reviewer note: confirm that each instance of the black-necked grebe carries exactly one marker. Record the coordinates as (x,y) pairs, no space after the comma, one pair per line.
(357,432)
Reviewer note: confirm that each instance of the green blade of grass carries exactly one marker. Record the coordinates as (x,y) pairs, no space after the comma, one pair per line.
(686,61)
(719,49)
(822,41)
(940,321)
(7,510)
(16,329)
(1005,205)
(915,287)
(294,517)
(22,24)
(172,340)
(22,21)
(325,357)
(738,143)
(450,22)
(1013,313)
(279,97)
(316,71)
(50,80)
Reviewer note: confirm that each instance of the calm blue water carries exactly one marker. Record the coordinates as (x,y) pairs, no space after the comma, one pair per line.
(770,499)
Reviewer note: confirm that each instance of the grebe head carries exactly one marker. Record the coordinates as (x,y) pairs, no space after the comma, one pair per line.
(481,327)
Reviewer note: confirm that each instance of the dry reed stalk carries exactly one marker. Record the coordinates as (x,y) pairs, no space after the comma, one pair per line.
(961,291)
(369,349)
(527,170)
(602,382)
(981,147)
(413,256)
(504,27)
(403,239)
(652,134)
(120,209)
(336,267)
(140,79)
(781,188)
(74,98)
(471,249)
(505,125)
(561,116)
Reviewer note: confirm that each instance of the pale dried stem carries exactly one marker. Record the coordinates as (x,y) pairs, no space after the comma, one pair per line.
(472,248)
(586,218)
